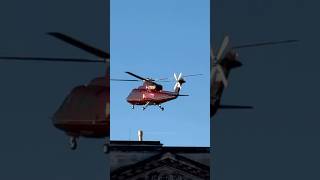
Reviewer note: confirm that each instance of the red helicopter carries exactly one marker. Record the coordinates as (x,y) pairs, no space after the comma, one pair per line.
(152,93)
(85,111)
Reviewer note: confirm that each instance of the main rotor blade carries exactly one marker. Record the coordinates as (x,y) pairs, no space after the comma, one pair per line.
(52,59)
(264,44)
(139,77)
(189,75)
(174,79)
(235,107)
(144,79)
(162,80)
(223,46)
(124,80)
(81,45)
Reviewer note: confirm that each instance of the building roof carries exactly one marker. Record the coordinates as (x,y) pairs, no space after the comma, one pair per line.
(153,146)
(167,160)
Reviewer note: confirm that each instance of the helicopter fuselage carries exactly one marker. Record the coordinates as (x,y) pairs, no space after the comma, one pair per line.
(143,96)
(85,111)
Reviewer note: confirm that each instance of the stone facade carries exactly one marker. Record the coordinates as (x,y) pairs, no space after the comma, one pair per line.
(150,160)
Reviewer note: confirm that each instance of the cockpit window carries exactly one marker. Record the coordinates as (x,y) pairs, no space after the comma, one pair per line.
(151,87)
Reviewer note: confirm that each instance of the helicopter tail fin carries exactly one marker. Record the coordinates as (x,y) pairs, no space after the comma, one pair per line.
(179,81)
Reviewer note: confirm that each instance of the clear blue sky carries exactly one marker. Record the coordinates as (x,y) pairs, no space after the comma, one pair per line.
(155,39)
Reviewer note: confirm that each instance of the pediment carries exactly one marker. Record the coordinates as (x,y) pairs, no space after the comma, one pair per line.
(161,165)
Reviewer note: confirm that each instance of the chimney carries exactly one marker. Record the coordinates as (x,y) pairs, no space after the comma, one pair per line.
(140,135)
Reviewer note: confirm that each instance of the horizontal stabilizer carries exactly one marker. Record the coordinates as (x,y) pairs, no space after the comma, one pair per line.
(182,95)
(81,45)
(235,107)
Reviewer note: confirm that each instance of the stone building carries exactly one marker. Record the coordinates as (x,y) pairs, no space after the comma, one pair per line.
(150,160)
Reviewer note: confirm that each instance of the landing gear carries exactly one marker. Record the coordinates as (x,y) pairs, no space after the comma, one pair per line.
(73,143)
(132,107)
(145,106)
(162,108)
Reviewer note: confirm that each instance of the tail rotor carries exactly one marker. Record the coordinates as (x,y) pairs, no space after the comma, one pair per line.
(179,81)
(217,73)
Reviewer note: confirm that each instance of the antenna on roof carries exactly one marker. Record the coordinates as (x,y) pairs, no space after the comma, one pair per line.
(140,135)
